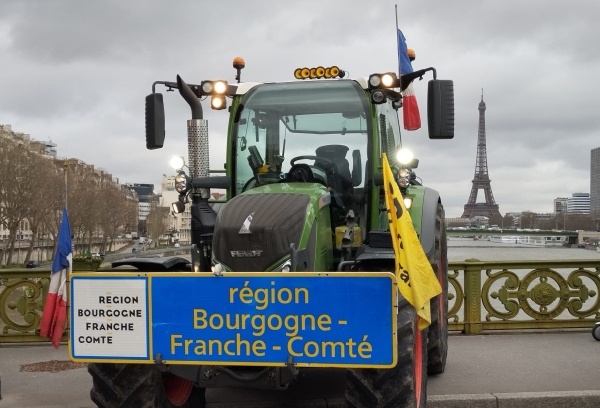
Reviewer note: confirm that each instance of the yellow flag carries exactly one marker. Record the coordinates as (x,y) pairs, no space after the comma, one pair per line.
(416,280)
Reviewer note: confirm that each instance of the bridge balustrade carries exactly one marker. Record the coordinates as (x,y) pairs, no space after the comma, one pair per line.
(522,295)
(483,296)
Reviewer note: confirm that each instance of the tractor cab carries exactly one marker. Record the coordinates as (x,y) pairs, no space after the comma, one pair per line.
(305,132)
(303,166)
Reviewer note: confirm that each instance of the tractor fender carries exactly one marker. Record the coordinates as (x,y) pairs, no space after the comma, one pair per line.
(423,213)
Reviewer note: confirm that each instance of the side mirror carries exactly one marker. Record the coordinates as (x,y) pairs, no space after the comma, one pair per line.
(155,121)
(440,109)
(356,168)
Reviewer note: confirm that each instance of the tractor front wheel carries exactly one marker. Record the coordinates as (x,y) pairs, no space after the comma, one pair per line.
(141,386)
(438,330)
(403,386)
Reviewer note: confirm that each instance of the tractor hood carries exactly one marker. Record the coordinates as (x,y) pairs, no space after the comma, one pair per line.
(254,230)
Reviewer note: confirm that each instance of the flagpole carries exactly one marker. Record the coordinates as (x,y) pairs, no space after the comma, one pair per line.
(66,167)
(397,40)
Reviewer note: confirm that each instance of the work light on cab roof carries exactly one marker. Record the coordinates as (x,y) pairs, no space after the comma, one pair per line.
(385,80)
(319,72)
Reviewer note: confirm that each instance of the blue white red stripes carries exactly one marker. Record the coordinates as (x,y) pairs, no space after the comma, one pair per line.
(54,317)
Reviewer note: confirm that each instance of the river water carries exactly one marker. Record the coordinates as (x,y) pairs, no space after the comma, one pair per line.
(460,249)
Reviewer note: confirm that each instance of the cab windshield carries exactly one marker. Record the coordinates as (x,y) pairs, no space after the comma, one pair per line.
(303,132)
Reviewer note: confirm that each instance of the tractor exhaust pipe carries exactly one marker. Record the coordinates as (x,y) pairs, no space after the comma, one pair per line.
(203,216)
(197,137)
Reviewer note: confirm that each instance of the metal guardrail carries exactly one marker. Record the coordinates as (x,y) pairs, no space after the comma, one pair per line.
(483,295)
(520,295)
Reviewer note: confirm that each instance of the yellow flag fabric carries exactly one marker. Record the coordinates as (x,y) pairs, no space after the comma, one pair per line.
(416,280)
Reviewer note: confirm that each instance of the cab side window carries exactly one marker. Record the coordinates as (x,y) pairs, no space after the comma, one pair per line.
(389,129)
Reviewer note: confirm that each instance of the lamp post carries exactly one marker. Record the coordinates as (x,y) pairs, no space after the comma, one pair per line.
(18,245)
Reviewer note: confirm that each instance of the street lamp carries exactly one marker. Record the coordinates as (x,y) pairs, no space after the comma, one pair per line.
(18,246)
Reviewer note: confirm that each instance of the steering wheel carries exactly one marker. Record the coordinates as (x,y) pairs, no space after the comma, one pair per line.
(249,184)
(315,158)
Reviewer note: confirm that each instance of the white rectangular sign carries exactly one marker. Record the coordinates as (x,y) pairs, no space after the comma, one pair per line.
(109,317)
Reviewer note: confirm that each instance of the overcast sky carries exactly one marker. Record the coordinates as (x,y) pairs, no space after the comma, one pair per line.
(76,72)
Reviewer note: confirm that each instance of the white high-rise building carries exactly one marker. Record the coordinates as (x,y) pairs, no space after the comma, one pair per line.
(579,203)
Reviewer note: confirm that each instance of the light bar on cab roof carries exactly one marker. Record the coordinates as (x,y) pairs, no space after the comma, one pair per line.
(385,80)
(213,87)
(319,72)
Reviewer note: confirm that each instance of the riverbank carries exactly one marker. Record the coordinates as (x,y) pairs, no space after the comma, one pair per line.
(460,249)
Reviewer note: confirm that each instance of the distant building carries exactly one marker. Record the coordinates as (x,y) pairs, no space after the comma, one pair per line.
(479,220)
(145,195)
(145,192)
(44,148)
(179,222)
(595,183)
(457,222)
(143,210)
(579,203)
(560,205)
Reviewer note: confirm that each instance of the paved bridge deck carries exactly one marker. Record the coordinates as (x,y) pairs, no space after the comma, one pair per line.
(499,370)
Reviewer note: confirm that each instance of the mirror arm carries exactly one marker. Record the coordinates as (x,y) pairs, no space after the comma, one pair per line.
(168,84)
(406,79)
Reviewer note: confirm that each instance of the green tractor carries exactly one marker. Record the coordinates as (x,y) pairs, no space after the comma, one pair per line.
(303,177)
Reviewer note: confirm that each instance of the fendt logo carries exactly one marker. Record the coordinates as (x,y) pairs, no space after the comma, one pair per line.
(246,254)
(246,226)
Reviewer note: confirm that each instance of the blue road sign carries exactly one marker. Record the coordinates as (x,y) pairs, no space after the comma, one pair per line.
(311,319)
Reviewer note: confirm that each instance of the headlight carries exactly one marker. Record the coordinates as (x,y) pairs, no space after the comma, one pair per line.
(378,96)
(180,182)
(387,80)
(285,267)
(220,87)
(217,102)
(403,182)
(217,269)
(176,162)
(384,80)
(407,202)
(178,207)
(404,178)
(214,87)
(374,81)
(207,87)
(404,156)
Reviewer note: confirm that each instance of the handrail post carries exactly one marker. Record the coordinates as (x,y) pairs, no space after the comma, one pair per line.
(472,308)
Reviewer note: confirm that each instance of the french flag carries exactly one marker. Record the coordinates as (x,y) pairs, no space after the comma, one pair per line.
(54,316)
(410,108)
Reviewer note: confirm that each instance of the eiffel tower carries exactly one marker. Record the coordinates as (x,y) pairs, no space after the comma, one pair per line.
(481,179)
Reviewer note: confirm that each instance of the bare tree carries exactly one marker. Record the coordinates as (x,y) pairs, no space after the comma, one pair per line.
(507,221)
(115,212)
(527,219)
(48,187)
(495,220)
(579,221)
(17,191)
(157,221)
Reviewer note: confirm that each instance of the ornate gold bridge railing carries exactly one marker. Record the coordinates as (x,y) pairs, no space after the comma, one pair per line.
(22,298)
(483,295)
(520,295)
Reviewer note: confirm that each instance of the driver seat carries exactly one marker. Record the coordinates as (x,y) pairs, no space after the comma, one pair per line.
(337,154)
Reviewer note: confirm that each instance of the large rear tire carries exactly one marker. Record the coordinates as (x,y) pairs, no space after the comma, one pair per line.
(141,386)
(403,386)
(437,346)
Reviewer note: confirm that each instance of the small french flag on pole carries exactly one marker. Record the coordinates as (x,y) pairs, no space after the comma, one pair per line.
(410,108)
(54,317)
